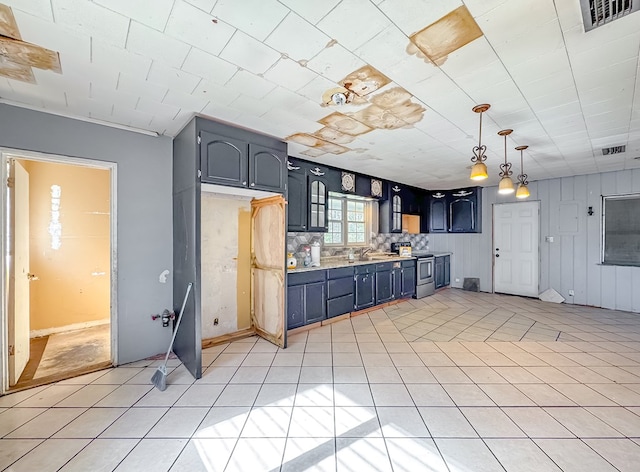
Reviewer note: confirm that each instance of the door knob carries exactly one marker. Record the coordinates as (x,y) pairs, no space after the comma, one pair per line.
(32,276)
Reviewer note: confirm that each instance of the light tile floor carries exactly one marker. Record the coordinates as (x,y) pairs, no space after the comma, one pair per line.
(458,382)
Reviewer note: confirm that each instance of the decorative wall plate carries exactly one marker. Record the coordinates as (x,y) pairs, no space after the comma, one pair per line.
(348,182)
(376,188)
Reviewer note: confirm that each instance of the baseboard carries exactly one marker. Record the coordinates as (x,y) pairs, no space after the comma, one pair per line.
(37,333)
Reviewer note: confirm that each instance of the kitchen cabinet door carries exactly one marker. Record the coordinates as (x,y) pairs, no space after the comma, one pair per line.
(439,272)
(318,205)
(438,213)
(447,270)
(297,201)
(408,287)
(267,168)
(364,291)
(223,160)
(295,306)
(464,210)
(315,302)
(384,286)
(396,279)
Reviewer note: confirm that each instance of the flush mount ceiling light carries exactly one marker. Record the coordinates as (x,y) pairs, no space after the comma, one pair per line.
(523,190)
(506,184)
(479,169)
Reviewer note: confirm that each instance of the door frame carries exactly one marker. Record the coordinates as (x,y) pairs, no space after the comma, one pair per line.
(9,153)
(493,240)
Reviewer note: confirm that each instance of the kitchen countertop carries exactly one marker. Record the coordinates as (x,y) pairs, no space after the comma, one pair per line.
(334,263)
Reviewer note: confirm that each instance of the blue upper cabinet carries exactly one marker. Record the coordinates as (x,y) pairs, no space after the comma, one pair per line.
(240,158)
(456,211)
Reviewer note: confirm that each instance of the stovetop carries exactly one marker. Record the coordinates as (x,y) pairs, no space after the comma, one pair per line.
(421,254)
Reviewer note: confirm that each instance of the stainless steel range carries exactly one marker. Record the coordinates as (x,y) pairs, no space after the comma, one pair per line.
(425,263)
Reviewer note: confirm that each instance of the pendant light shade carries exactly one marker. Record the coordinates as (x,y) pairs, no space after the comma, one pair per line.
(479,169)
(506,184)
(523,190)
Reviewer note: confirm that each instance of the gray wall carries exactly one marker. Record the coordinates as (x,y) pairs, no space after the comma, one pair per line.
(572,260)
(144,213)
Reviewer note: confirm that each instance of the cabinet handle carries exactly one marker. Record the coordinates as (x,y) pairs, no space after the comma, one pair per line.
(253,184)
(244,182)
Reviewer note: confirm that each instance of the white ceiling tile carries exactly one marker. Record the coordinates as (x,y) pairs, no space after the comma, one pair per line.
(88,107)
(250,105)
(216,96)
(477,54)
(78,84)
(93,20)
(173,127)
(257,18)
(172,78)
(155,45)
(538,42)
(621,70)
(353,22)
(116,97)
(283,98)
(153,14)
(607,54)
(312,11)
(290,74)
(382,51)
(195,27)
(186,102)
(204,5)
(481,7)
(499,24)
(135,86)
(287,118)
(314,89)
(72,46)
(119,60)
(250,54)
(286,38)
(554,98)
(28,97)
(220,112)
(250,84)
(208,66)
(135,118)
(412,16)
(155,108)
(41,8)
(335,63)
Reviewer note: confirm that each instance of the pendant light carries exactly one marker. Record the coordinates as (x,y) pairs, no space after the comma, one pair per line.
(506,184)
(523,190)
(479,168)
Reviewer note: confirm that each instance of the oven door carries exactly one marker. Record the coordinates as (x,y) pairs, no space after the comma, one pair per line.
(424,271)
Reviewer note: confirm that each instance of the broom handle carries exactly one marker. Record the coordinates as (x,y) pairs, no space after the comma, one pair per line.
(175,331)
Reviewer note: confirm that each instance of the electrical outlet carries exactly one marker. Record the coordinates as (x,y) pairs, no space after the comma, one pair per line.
(571,293)
(457,280)
(215,322)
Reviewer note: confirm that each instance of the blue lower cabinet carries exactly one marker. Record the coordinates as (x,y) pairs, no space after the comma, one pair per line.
(306,298)
(340,291)
(365,278)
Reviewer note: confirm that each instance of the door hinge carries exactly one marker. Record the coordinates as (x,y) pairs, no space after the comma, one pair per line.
(199,140)
(12,350)
(199,173)
(10,182)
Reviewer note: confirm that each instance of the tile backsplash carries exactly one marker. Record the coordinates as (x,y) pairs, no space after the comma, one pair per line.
(379,242)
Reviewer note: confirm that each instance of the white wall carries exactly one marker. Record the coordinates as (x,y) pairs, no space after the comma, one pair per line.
(572,261)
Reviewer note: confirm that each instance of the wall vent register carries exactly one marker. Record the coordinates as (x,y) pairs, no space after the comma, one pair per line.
(596,13)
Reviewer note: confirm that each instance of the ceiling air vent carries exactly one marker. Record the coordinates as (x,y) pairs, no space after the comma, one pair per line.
(599,12)
(613,150)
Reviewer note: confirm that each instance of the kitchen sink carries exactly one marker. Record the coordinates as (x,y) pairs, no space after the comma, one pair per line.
(378,256)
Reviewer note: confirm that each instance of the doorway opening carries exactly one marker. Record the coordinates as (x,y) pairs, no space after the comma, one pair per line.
(58,257)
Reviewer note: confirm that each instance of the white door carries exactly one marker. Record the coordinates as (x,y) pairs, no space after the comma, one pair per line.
(516,248)
(19,276)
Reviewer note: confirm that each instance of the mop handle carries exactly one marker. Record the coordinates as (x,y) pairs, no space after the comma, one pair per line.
(175,331)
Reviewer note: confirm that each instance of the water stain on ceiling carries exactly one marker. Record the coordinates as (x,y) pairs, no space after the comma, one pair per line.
(446,35)
(17,57)
(385,109)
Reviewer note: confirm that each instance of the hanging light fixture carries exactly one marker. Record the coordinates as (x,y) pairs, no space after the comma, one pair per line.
(479,168)
(523,190)
(506,184)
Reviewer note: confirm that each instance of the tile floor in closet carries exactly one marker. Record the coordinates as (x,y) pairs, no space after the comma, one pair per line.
(459,382)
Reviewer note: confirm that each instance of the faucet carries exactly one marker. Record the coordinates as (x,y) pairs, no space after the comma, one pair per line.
(364,251)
